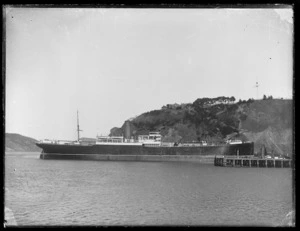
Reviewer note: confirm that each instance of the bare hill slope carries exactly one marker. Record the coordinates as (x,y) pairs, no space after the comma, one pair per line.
(18,143)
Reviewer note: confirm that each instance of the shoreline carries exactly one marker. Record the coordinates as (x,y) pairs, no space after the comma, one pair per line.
(21,152)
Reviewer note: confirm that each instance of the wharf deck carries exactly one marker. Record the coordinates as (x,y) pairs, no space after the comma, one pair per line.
(226,161)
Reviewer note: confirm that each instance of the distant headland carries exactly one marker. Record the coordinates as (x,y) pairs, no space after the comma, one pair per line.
(18,143)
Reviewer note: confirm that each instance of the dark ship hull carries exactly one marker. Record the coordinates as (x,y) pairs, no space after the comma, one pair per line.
(78,151)
(145,148)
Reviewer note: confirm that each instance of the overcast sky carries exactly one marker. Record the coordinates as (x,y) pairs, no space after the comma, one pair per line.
(113,64)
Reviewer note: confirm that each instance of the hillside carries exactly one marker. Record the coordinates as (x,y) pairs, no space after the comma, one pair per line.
(18,143)
(266,122)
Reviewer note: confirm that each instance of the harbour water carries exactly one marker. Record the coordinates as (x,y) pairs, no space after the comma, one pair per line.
(103,193)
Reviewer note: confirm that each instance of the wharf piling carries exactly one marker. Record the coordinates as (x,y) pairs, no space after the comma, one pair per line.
(233,161)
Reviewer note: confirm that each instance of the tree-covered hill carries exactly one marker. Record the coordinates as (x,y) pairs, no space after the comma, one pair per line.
(267,122)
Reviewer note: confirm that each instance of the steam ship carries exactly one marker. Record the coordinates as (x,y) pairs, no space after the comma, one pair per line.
(143,145)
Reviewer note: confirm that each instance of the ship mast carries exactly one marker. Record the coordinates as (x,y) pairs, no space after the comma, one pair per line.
(78,130)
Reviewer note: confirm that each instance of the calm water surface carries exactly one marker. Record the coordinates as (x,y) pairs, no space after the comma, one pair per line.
(70,192)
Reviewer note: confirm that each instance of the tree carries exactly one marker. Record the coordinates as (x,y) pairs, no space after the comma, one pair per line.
(265,97)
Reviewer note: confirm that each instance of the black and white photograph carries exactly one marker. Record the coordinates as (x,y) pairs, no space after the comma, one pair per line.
(140,116)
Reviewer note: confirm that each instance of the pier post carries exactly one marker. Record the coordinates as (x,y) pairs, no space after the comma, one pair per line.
(274,163)
(263,152)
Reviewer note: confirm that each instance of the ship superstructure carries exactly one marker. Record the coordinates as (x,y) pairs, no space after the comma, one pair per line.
(151,140)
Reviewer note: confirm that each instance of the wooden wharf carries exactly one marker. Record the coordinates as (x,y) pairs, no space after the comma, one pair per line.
(234,161)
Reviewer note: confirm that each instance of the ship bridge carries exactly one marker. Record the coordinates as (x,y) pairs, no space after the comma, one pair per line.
(151,140)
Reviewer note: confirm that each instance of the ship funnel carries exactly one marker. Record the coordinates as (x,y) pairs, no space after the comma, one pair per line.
(127,130)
